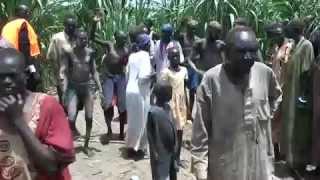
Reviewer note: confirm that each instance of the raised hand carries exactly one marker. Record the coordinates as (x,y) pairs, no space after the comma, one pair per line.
(12,107)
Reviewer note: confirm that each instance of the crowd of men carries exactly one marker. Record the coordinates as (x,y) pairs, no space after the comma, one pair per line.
(246,115)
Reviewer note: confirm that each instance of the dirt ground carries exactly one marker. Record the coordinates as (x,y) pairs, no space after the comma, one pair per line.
(110,163)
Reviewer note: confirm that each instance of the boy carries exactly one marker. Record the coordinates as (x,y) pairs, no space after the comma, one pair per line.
(162,135)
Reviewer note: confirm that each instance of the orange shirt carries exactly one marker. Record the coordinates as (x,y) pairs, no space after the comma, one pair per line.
(11,33)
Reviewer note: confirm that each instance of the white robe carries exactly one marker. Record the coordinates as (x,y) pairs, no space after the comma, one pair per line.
(138,99)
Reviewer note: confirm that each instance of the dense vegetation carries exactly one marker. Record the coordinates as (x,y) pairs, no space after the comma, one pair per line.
(48,14)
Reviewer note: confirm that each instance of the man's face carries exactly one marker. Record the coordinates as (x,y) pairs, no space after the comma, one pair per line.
(192,29)
(70,26)
(12,78)
(166,36)
(213,33)
(174,57)
(290,33)
(82,40)
(275,38)
(242,53)
(121,38)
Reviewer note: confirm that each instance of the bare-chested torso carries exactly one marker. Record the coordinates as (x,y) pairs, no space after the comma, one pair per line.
(115,60)
(187,44)
(80,64)
(209,54)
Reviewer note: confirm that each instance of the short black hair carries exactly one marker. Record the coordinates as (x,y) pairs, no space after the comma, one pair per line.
(69,16)
(230,35)
(241,21)
(274,28)
(7,54)
(163,91)
(297,26)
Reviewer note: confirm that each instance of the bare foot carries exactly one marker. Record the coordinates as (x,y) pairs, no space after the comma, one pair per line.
(105,139)
(88,152)
(76,134)
(121,137)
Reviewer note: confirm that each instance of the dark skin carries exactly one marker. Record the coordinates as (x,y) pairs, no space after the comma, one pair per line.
(188,39)
(163,93)
(70,26)
(14,97)
(174,58)
(276,39)
(207,52)
(80,67)
(114,63)
(23,11)
(241,52)
(294,30)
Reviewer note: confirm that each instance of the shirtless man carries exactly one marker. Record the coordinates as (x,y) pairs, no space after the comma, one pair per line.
(114,80)
(60,41)
(77,70)
(207,52)
(187,41)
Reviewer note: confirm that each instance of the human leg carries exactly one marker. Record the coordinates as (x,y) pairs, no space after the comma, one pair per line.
(88,102)
(108,89)
(180,138)
(71,104)
(121,95)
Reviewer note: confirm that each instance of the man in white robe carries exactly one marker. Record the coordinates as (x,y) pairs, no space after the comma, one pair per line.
(235,103)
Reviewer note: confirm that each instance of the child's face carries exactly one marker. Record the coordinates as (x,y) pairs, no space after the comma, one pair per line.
(174,57)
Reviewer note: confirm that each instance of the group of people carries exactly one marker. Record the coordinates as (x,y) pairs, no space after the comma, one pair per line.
(245,114)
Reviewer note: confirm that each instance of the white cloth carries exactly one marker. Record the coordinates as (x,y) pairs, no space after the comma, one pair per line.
(160,59)
(138,99)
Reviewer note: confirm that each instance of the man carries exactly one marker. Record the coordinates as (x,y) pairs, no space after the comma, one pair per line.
(114,81)
(315,40)
(140,76)
(35,138)
(148,24)
(187,41)
(160,60)
(58,45)
(22,36)
(77,70)
(278,55)
(234,106)
(296,107)
(280,48)
(207,53)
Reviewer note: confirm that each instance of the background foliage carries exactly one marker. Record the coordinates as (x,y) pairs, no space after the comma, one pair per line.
(48,14)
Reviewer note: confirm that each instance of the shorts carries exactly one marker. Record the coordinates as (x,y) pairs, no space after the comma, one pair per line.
(193,79)
(115,86)
(81,90)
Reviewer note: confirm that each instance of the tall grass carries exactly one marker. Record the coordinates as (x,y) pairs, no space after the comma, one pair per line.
(121,14)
